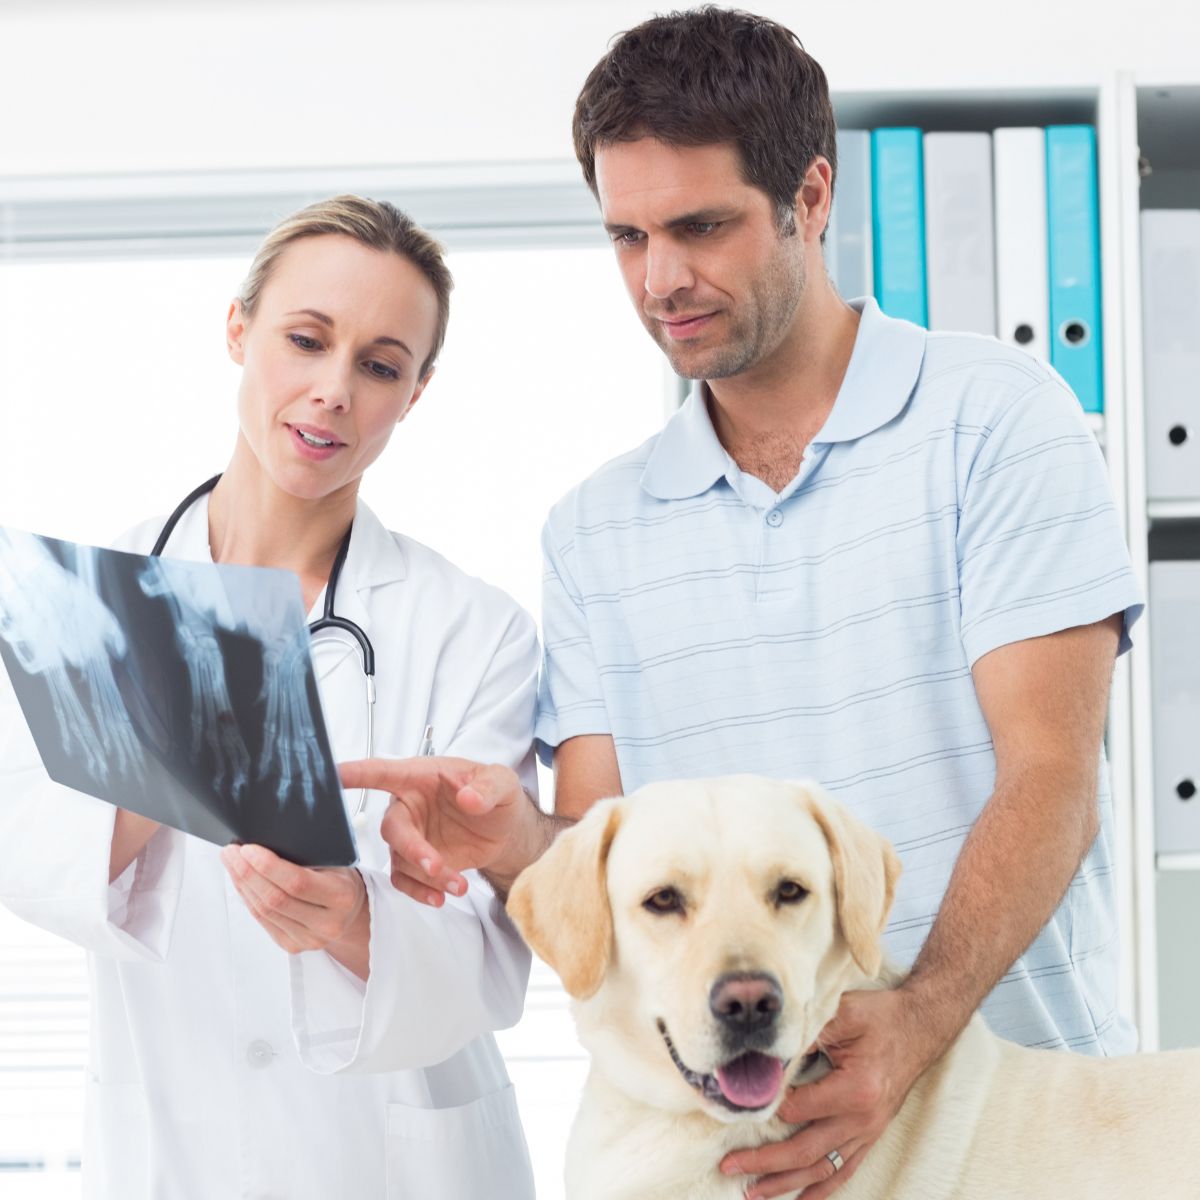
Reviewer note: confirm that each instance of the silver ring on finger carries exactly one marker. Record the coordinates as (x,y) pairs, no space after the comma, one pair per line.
(837,1160)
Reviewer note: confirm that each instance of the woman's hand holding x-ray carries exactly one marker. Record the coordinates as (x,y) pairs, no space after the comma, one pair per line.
(304,908)
(447,815)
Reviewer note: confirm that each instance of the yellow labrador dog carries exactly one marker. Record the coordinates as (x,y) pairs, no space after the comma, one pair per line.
(706,931)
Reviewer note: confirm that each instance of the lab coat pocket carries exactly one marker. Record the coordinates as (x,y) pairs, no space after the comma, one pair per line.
(461,1153)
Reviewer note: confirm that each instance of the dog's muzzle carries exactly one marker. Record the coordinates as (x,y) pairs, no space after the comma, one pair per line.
(744,1084)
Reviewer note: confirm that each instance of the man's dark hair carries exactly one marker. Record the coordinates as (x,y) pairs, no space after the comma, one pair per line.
(713,75)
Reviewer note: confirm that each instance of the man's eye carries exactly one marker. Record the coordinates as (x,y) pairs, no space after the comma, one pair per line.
(790,892)
(665,900)
(630,237)
(703,228)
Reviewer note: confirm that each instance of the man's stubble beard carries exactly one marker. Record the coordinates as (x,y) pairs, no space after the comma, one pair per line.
(754,335)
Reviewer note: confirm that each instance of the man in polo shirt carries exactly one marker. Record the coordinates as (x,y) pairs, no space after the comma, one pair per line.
(863,553)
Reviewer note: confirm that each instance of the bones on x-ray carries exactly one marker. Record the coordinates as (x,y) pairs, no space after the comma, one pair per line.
(181,690)
(52,619)
(201,606)
(196,618)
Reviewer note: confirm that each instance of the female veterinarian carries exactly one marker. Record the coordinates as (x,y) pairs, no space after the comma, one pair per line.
(261,1029)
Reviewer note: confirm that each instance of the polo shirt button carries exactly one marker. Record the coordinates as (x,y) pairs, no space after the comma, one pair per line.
(774,518)
(259,1053)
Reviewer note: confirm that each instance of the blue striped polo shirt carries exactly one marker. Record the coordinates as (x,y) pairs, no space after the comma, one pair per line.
(954,501)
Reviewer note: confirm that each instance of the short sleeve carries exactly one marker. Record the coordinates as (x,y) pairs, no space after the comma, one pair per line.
(570,698)
(1040,546)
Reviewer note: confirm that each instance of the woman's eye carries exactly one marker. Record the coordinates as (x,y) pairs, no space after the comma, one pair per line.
(383,371)
(790,892)
(303,341)
(665,900)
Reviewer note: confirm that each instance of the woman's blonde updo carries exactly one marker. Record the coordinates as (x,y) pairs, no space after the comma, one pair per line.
(374,223)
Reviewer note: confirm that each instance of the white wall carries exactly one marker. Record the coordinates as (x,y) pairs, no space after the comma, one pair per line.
(125,86)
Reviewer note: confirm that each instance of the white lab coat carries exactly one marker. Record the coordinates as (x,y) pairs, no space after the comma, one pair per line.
(222,1067)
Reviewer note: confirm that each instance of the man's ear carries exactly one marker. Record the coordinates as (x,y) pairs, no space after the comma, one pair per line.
(235,332)
(865,871)
(814,199)
(560,903)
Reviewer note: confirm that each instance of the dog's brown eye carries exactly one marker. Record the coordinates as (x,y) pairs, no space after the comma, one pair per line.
(665,900)
(790,892)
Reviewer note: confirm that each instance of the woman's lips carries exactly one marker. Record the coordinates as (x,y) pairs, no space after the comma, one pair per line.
(315,444)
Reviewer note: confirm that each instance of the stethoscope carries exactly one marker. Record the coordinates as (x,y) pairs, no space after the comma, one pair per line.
(328,620)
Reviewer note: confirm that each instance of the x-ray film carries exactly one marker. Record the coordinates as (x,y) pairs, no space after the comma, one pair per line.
(182,691)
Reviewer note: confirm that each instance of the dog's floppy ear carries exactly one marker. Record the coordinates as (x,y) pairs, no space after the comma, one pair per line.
(560,903)
(865,870)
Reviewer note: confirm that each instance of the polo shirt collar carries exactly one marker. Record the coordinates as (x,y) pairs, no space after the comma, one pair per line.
(881,376)
(688,458)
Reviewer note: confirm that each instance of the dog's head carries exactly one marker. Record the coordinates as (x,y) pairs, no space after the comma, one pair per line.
(706,930)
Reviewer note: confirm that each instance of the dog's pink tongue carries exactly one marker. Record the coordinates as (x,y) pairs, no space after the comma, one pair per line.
(751,1080)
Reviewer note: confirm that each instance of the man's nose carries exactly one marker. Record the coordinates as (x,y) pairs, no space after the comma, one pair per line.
(746,1001)
(667,270)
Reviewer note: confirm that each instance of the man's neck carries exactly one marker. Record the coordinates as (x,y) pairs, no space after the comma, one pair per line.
(766,417)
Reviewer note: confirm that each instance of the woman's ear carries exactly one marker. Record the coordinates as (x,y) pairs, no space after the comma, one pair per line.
(235,332)
(416,394)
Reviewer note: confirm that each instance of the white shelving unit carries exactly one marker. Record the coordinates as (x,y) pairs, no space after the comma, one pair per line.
(1159,167)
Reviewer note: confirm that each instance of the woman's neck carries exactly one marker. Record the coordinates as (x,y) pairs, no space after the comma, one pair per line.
(253,522)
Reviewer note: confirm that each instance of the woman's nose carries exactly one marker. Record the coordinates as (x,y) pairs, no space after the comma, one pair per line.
(334,389)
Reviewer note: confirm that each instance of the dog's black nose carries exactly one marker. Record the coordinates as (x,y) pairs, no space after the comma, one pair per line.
(746,1001)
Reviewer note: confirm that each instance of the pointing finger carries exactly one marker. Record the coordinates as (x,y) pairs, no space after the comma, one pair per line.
(395,774)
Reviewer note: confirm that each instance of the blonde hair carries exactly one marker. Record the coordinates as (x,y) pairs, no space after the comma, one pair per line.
(373,223)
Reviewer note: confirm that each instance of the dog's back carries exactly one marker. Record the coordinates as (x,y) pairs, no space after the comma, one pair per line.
(997,1121)
(1059,1124)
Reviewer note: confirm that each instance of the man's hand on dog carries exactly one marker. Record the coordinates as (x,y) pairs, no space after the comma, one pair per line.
(879,1045)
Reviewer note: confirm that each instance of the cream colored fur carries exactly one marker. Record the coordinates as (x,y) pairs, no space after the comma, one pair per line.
(990,1121)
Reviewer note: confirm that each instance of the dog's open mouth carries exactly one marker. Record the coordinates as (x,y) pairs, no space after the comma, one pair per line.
(748,1082)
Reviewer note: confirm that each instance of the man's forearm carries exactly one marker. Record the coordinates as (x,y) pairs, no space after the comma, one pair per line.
(530,840)
(1011,874)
